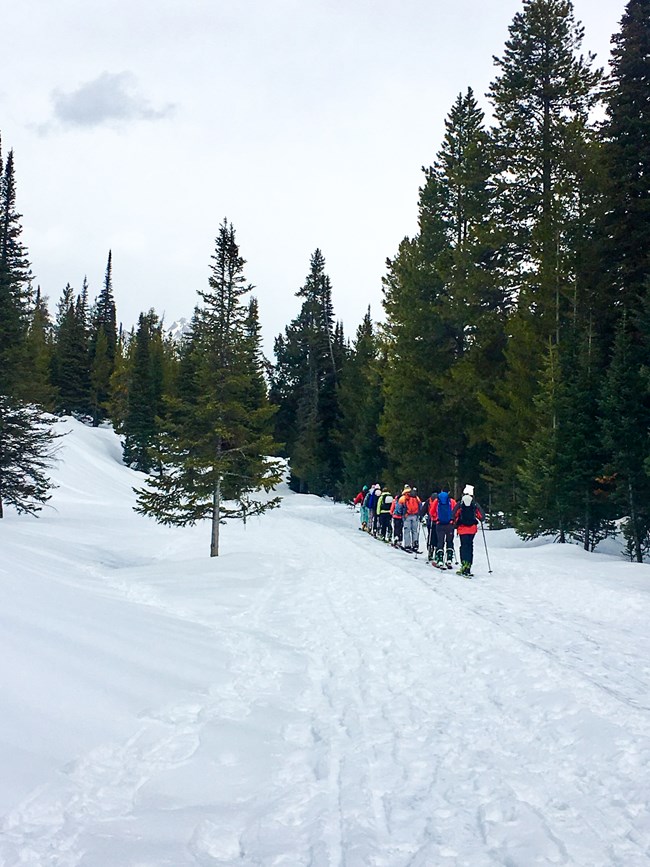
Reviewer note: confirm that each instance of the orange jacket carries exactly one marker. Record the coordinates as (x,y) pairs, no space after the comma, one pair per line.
(411,504)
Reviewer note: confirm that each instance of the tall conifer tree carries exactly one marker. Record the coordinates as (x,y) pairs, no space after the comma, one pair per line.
(361,403)
(542,101)
(627,161)
(15,286)
(444,311)
(144,393)
(305,378)
(213,450)
(71,360)
(39,353)
(103,345)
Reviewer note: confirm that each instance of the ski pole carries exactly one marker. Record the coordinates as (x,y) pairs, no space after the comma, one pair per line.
(486,550)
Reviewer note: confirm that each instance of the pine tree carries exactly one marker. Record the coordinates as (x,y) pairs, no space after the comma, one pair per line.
(25,435)
(542,101)
(71,358)
(15,286)
(119,384)
(541,504)
(308,360)
(361,402)
(625,414)
(627,160)
(213,450)
(543,148)
(39,348)
(144,393)
(444,313)
(26,453)
(103,345)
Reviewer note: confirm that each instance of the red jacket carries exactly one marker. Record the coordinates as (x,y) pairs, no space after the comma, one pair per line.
(467,529)
(359,498)
(433,509)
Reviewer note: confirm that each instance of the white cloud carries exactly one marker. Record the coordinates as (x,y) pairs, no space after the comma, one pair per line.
(109,99)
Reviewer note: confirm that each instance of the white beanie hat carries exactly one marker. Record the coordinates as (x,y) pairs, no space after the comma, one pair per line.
(469,489)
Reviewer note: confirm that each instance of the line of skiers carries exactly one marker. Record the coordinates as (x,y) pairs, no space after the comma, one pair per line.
(398,519)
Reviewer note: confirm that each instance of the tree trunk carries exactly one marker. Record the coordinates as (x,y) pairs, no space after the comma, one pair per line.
(216,502)
(635,527)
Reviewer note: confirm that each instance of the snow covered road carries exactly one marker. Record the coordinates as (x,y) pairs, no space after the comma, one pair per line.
(312,697)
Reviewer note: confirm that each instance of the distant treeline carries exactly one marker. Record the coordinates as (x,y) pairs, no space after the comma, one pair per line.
(514,352)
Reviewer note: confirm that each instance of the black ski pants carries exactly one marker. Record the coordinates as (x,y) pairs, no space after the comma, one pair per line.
(398,530)
(384,523)
(466,548)
(445,537)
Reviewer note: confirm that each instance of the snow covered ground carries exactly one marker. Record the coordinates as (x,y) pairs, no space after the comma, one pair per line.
(310,697)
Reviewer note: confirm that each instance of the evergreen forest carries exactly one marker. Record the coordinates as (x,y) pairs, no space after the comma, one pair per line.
(512,350)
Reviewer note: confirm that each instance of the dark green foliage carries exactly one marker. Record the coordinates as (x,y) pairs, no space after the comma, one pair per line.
(560,492)
(26,452)
(15,291)
(627,159)
(444,315)
(144,403)
(103,346)
(543,163)
(309,357)
(213,448)
(625,410)
(361,402)
(39,349)
(542,98)
(71,358)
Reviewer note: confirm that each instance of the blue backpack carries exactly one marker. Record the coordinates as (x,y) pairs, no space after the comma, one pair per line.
(444,508)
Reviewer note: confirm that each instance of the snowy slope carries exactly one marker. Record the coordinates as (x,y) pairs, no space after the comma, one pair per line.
(311,697)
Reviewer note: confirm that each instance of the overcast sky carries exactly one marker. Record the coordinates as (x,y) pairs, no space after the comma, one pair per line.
(139,126)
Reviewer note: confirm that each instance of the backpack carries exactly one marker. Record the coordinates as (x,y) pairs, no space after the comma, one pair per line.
(444,508)
(412,505)
(384,506)
(398,511)
(467,515)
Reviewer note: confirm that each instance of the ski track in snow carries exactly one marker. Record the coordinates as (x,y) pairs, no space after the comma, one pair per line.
(372,711)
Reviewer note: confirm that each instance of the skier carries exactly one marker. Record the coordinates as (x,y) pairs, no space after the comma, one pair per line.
(370,503)
(411,520)
(466,516)
(440,513)
(384,504)
(397,512)
(426,509)
(358,501)
(372,509)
